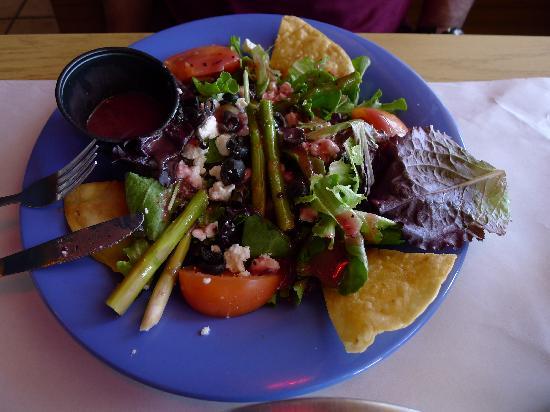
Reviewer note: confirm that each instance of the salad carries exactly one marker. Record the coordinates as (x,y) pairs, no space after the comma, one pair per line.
(276,177)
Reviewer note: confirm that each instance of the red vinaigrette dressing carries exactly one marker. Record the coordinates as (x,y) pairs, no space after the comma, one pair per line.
(329,265)
(125,116)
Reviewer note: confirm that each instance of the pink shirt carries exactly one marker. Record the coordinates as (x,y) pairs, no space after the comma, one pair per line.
(353,15)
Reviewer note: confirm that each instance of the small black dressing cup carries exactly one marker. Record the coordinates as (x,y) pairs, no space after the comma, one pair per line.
(102,73)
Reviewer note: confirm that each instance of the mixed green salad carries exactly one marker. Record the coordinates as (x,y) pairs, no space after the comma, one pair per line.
(268,183)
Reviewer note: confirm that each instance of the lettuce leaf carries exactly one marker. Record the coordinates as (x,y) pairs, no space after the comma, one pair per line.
(235,45)
(148,196)
(439,192)
(378,230)
(136,249)
(225,83)
(262,70)
(361,64)
(262,236)
(374,101)
(356,272)
(303,66)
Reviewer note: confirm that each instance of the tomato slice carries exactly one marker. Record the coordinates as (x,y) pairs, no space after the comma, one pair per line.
(203,62)
(381,120)
(226,295)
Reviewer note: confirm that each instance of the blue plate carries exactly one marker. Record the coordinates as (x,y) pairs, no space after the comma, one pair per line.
(273,353)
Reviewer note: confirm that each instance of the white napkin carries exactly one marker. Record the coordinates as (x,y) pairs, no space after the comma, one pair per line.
(487,348)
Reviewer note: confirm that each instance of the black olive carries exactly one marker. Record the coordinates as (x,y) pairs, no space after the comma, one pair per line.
(238,147)
(229,98)
(230,122)
(232,171)
(336,118)
(212,268)
(227,232)
(209,256)
(297,187)
(279,120)
(293,136)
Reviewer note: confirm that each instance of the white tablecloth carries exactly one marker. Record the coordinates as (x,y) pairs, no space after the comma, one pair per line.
(487,348)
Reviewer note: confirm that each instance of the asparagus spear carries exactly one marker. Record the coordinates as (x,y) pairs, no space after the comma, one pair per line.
(127,291)
(165,284)
(258,164)
(285,219)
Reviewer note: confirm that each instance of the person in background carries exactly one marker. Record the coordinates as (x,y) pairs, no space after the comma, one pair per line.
(378,16)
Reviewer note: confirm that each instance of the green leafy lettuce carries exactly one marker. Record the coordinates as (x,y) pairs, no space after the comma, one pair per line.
(225,83)
(262,236)
(374,101)
(148,196)
(136,249)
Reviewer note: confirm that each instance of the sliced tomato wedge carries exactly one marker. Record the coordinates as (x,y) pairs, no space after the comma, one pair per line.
(203,62)
(226,295)
(382,121)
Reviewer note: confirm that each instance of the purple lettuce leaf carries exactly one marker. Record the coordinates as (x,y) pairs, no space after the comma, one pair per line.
(441,194)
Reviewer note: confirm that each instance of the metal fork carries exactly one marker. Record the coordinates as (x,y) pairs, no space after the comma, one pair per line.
(55,186)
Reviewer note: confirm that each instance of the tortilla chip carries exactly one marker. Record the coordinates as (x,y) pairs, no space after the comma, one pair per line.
(297,39)
(400,287)
(93,203)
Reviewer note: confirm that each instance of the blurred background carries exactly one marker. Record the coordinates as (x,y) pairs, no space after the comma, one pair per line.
(519,17)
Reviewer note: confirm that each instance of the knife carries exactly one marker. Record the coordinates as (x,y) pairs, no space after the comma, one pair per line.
(72,246)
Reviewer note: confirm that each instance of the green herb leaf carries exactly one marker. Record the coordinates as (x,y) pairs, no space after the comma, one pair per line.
(356,272)
(262,236)
(136,249)
(148,196)
(235,45)
(361,64)
(325,228)
(378,230)
(224,84)
(374,101)
(213,154)
(298,289)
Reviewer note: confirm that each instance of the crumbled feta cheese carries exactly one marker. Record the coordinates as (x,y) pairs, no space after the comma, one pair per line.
(196,154)
(64,253)
(215,249)
(191,174)
(215,172)
(235,257)
(191,151)
(264,264)
(241,104)
(219,192)
(206,232)
(206,281)
(205,331)
(221,144)
(248,46)
(209,129)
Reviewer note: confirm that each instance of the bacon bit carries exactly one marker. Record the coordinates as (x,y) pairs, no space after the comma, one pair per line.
(288,176)
(189,174)
(264,264)
(308,214)
(350,223)
(247,174)
(291,119)
(326,149)
(276,94)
